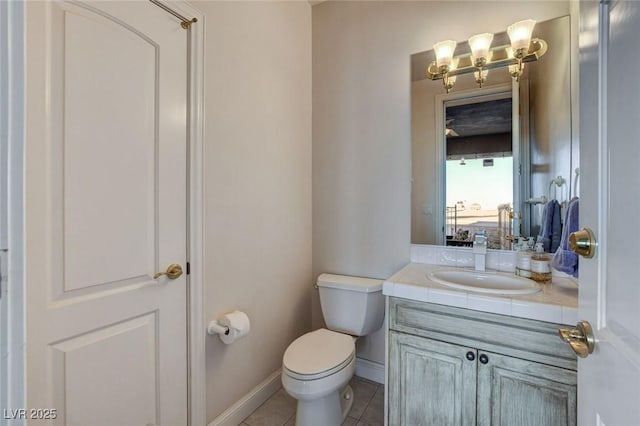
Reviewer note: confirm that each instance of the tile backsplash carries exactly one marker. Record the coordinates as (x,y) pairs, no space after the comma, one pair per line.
(500,260)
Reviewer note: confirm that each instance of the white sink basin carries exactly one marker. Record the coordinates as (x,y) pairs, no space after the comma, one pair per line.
(485,282)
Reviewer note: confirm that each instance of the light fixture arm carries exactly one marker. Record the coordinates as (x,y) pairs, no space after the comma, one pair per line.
(517,70)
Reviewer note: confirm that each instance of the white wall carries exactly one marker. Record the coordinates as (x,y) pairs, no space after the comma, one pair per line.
(258,186)
(362,124)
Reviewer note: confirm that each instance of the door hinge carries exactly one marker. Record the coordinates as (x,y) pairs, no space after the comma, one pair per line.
(188,268)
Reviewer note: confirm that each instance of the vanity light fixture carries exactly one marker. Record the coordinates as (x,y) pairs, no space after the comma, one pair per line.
(483,57)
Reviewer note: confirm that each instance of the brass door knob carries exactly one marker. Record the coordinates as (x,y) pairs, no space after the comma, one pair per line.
(173,271)
(583,242)
(580,339)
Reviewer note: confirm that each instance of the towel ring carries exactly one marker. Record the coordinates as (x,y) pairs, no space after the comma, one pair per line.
(559,182)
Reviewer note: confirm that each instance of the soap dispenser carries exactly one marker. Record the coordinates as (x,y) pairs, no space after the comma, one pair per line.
(523,259)
(531,243)
(541,265)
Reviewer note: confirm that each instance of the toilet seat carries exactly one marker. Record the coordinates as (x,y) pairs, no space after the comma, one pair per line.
(318,354)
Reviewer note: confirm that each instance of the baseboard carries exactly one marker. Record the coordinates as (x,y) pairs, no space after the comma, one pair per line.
(239,411)
(370,370)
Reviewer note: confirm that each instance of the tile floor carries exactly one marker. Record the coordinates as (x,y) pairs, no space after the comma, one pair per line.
(367,409)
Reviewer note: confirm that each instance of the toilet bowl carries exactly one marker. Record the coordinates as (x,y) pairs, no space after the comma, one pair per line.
(316,371)
(317,367)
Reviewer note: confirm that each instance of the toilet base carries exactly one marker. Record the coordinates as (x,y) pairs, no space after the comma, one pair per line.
(346,401)
(330,410)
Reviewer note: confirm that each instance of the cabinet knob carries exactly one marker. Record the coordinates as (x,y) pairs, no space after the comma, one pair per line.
(471,356)
(484,359)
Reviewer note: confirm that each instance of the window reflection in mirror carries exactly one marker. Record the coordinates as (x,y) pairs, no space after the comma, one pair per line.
(479,170)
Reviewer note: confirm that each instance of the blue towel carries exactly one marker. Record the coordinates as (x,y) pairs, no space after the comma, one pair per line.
(556,228)
(545,225)
(550,227)
(565,260)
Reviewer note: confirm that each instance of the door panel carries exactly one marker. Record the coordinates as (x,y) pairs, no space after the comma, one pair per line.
(106,209)
(105,84)
(609,292)
(623,153)
(130,386)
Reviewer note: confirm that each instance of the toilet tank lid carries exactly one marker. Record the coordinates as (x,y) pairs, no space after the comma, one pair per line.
(363,285)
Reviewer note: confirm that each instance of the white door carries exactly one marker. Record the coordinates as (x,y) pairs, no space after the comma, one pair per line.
(609,379)
(105,185)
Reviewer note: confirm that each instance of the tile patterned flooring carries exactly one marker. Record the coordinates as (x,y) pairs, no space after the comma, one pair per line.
(367,409)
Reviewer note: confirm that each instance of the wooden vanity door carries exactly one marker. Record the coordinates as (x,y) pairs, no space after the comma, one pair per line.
(431,382)
(513,391)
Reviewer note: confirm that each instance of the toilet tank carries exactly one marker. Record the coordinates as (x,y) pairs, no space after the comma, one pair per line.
(352,305)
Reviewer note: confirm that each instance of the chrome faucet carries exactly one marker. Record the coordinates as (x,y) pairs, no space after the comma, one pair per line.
(480,249)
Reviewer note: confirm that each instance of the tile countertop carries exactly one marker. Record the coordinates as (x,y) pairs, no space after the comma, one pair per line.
(556,302)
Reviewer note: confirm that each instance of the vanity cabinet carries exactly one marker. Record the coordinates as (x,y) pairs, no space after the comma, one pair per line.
(452,366)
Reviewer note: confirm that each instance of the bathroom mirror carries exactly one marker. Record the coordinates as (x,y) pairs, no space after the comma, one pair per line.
(487,158)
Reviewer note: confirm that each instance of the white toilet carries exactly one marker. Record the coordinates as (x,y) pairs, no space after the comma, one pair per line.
(317,367)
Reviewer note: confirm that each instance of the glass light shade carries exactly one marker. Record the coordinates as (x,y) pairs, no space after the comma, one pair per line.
(444,52)
(480,44)
(520,34)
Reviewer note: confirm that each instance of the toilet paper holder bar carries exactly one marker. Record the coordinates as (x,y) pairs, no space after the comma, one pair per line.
(215,328)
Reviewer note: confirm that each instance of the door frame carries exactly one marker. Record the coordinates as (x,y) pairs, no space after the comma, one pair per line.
(12,113)
(196,338)
(13,18)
